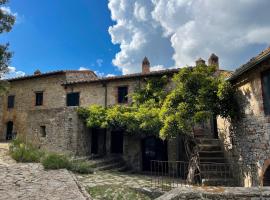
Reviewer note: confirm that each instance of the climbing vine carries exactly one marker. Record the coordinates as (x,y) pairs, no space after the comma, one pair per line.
(141,117)
(199,93)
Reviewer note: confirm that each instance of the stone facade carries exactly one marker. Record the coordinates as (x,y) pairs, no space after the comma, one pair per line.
(246,139)
(54,126)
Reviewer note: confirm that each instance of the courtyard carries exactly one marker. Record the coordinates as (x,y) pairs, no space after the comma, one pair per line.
(30,181)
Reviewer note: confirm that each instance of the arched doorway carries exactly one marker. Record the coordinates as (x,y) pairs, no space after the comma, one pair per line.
(9,132)
(266,177)
(153,148)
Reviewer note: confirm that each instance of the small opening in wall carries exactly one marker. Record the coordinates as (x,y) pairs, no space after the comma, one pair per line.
(43,131)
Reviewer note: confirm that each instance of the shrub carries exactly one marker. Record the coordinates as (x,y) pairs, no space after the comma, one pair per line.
(24,153)
(55,161)
(81,167)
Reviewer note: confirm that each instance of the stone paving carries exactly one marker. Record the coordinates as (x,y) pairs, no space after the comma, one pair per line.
(115,178)
(31,182)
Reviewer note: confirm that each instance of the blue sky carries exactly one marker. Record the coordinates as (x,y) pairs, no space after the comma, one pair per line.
(113,36)
(63,34)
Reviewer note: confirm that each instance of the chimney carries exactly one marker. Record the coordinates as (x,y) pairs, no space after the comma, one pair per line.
(213,60)
(145,66)
(200,61)
(37,72)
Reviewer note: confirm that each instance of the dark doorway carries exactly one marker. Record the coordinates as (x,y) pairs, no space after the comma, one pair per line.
(153,148)
(98,141)
(266,177)
(117,142)
(94,141)
(9,130)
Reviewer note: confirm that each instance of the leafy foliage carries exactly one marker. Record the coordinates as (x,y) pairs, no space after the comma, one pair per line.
(24,153)
(7,20)
(152,90)
(142,116)
(199,93)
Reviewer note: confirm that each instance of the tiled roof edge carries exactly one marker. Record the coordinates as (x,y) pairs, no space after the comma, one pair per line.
(250,64)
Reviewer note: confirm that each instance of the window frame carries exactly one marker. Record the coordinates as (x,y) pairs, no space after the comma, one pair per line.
(43,131)
(8,102)
(78,101)
(118,96)
(36,98)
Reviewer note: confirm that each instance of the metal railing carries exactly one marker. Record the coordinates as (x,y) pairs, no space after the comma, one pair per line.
(167,175)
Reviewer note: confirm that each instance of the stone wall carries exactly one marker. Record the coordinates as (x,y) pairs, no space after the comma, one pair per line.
(246,139)
(24,91)
(65,132)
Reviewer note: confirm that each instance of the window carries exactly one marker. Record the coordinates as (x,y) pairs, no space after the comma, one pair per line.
(266,91)
(43,131)
(39,98)
(73,99)
(11,101)
(122,94)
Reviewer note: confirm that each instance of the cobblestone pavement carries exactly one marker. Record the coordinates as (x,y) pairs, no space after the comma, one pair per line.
(115,178)
(31,182)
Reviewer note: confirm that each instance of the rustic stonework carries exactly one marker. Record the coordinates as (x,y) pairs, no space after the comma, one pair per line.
(56,127)
(246,140)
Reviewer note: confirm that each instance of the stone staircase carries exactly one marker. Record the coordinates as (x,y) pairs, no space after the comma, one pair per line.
(110,163)
(215,169)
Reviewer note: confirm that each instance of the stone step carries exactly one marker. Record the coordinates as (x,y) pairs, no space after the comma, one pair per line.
(106,161)
(123,168)
(212,160)
(216,174)
(208,141)
(211,153)
(110,166)
(209,147)
(214,167)
(218,182)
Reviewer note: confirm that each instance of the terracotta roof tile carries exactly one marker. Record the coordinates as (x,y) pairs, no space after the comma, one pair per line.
(253,62)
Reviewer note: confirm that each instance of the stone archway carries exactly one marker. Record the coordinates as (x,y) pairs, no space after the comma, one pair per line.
(265,173)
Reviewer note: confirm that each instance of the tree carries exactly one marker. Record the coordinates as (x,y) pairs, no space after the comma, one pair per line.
(199,94)
(7,20)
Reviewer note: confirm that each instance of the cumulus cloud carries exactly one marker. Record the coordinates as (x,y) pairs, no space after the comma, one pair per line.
(83,69)
(184,30)
(13,73)
(110,75)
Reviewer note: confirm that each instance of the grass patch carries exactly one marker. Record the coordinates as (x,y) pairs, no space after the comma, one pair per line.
(55,161)
(81,167)
(24,153)
(117,192)
(58,161)
(21,152)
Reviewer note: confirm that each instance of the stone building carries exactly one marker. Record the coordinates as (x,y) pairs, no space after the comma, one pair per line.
(246,139)
(42,108)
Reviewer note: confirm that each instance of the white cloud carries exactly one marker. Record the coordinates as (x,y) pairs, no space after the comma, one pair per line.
(138,35)
(99,62)
(13,73)
(157,68)
(110,75)
(184,30)
(83,68)
(7,10)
